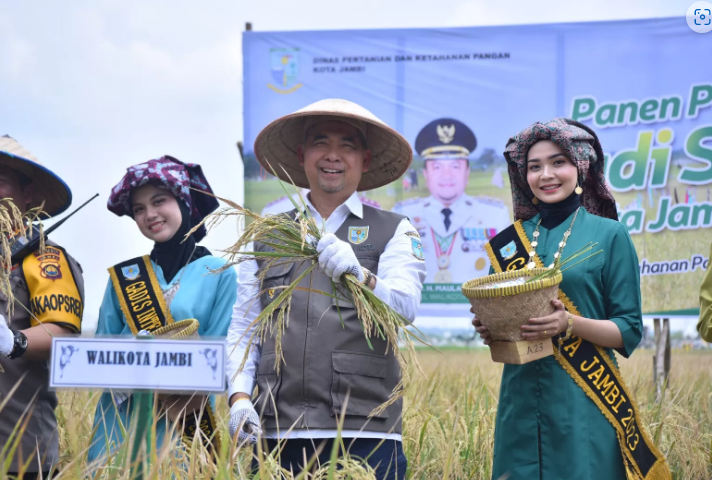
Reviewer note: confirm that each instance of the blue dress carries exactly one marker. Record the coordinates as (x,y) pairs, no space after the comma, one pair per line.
(207,297)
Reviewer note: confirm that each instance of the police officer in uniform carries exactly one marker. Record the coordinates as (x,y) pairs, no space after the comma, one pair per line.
(453,226)
(48,291)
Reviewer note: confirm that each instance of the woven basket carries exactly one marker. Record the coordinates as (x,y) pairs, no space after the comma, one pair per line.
(182,329)
(503,310)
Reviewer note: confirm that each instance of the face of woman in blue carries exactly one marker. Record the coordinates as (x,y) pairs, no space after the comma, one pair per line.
(551,175)
(156,213)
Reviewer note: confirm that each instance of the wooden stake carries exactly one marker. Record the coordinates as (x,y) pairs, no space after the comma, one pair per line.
(661,360)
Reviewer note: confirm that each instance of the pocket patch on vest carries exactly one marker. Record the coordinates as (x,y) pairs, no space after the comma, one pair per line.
(358,234)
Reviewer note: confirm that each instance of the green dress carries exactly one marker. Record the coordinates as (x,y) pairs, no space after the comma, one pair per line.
(547,428)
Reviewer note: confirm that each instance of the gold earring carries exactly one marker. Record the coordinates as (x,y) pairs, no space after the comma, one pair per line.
(578,189)
(535,201)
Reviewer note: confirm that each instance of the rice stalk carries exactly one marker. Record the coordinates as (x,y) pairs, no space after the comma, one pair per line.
(16,227)
(558,263)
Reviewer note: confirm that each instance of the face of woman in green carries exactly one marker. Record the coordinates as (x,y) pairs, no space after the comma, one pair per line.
(551,175)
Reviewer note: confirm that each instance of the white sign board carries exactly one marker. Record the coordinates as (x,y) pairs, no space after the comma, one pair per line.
(130,363)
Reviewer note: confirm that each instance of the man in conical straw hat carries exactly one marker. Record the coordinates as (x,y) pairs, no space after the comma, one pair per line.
(50,285)
(335,148)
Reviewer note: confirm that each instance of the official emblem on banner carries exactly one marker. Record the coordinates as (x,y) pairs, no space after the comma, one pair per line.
(285,69)
(508,251)
(49,263)
(358,234)
(130,272)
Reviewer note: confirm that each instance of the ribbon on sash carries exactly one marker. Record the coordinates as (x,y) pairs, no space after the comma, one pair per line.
(592,368)
(145,308)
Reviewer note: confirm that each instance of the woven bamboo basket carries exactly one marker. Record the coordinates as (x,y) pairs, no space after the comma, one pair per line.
(181,329)
(503,310)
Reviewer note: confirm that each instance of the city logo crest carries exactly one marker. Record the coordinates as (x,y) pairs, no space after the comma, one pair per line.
(358,234)
(285,70)
(131,272)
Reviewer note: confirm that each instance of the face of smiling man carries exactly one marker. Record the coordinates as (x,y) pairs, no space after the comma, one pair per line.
(334,158)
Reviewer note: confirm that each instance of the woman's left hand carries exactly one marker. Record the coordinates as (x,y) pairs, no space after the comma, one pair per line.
(549,326)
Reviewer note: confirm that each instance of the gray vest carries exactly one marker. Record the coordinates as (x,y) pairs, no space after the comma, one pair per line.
(328,368)
(33,393)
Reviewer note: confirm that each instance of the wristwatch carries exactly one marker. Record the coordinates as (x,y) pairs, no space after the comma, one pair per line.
(368,276)
(20,345)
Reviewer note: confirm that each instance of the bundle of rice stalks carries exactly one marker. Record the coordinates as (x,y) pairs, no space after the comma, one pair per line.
(16,229)
(294,240)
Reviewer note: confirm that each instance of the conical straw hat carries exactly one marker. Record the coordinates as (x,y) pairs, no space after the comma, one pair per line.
(48,186)
(277,143)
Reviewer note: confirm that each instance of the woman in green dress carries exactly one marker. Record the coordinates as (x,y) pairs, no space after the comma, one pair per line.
(547,428)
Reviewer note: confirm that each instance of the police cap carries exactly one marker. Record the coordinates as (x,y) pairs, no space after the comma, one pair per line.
(445,138)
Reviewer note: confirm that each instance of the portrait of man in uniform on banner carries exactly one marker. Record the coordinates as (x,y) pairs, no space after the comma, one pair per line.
(453,225)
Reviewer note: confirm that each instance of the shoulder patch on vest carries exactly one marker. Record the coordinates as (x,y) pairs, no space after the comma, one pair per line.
(417,246)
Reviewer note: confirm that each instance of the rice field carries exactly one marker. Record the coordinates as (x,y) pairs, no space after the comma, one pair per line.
(448,424)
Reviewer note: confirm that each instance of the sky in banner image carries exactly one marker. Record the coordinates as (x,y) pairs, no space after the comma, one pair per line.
(462,92)
(91,87)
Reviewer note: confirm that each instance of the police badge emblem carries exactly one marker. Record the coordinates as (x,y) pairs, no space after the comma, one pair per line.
(49,263)
(508,251)
(130,272)
(358,234)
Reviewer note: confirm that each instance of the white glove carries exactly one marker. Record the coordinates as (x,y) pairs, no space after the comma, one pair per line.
(245,421)
(7,338)
(336,257)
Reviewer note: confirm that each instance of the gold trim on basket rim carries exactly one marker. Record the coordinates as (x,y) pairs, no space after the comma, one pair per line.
(475,288)
(185,328)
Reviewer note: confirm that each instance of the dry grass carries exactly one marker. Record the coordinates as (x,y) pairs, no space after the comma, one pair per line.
(449,422)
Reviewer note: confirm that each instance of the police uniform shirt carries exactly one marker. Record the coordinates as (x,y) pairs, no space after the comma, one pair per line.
(50,285)
(453,236)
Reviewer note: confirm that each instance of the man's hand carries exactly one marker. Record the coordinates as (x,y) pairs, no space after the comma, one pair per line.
(7,338)
(245,421)
(336,257)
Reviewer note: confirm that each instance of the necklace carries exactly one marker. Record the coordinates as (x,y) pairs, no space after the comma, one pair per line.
(562,243)
(170,292)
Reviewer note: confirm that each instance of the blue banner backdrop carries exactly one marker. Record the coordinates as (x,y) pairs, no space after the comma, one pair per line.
(645,86)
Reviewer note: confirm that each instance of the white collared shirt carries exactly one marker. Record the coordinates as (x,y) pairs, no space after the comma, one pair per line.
(399,284)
